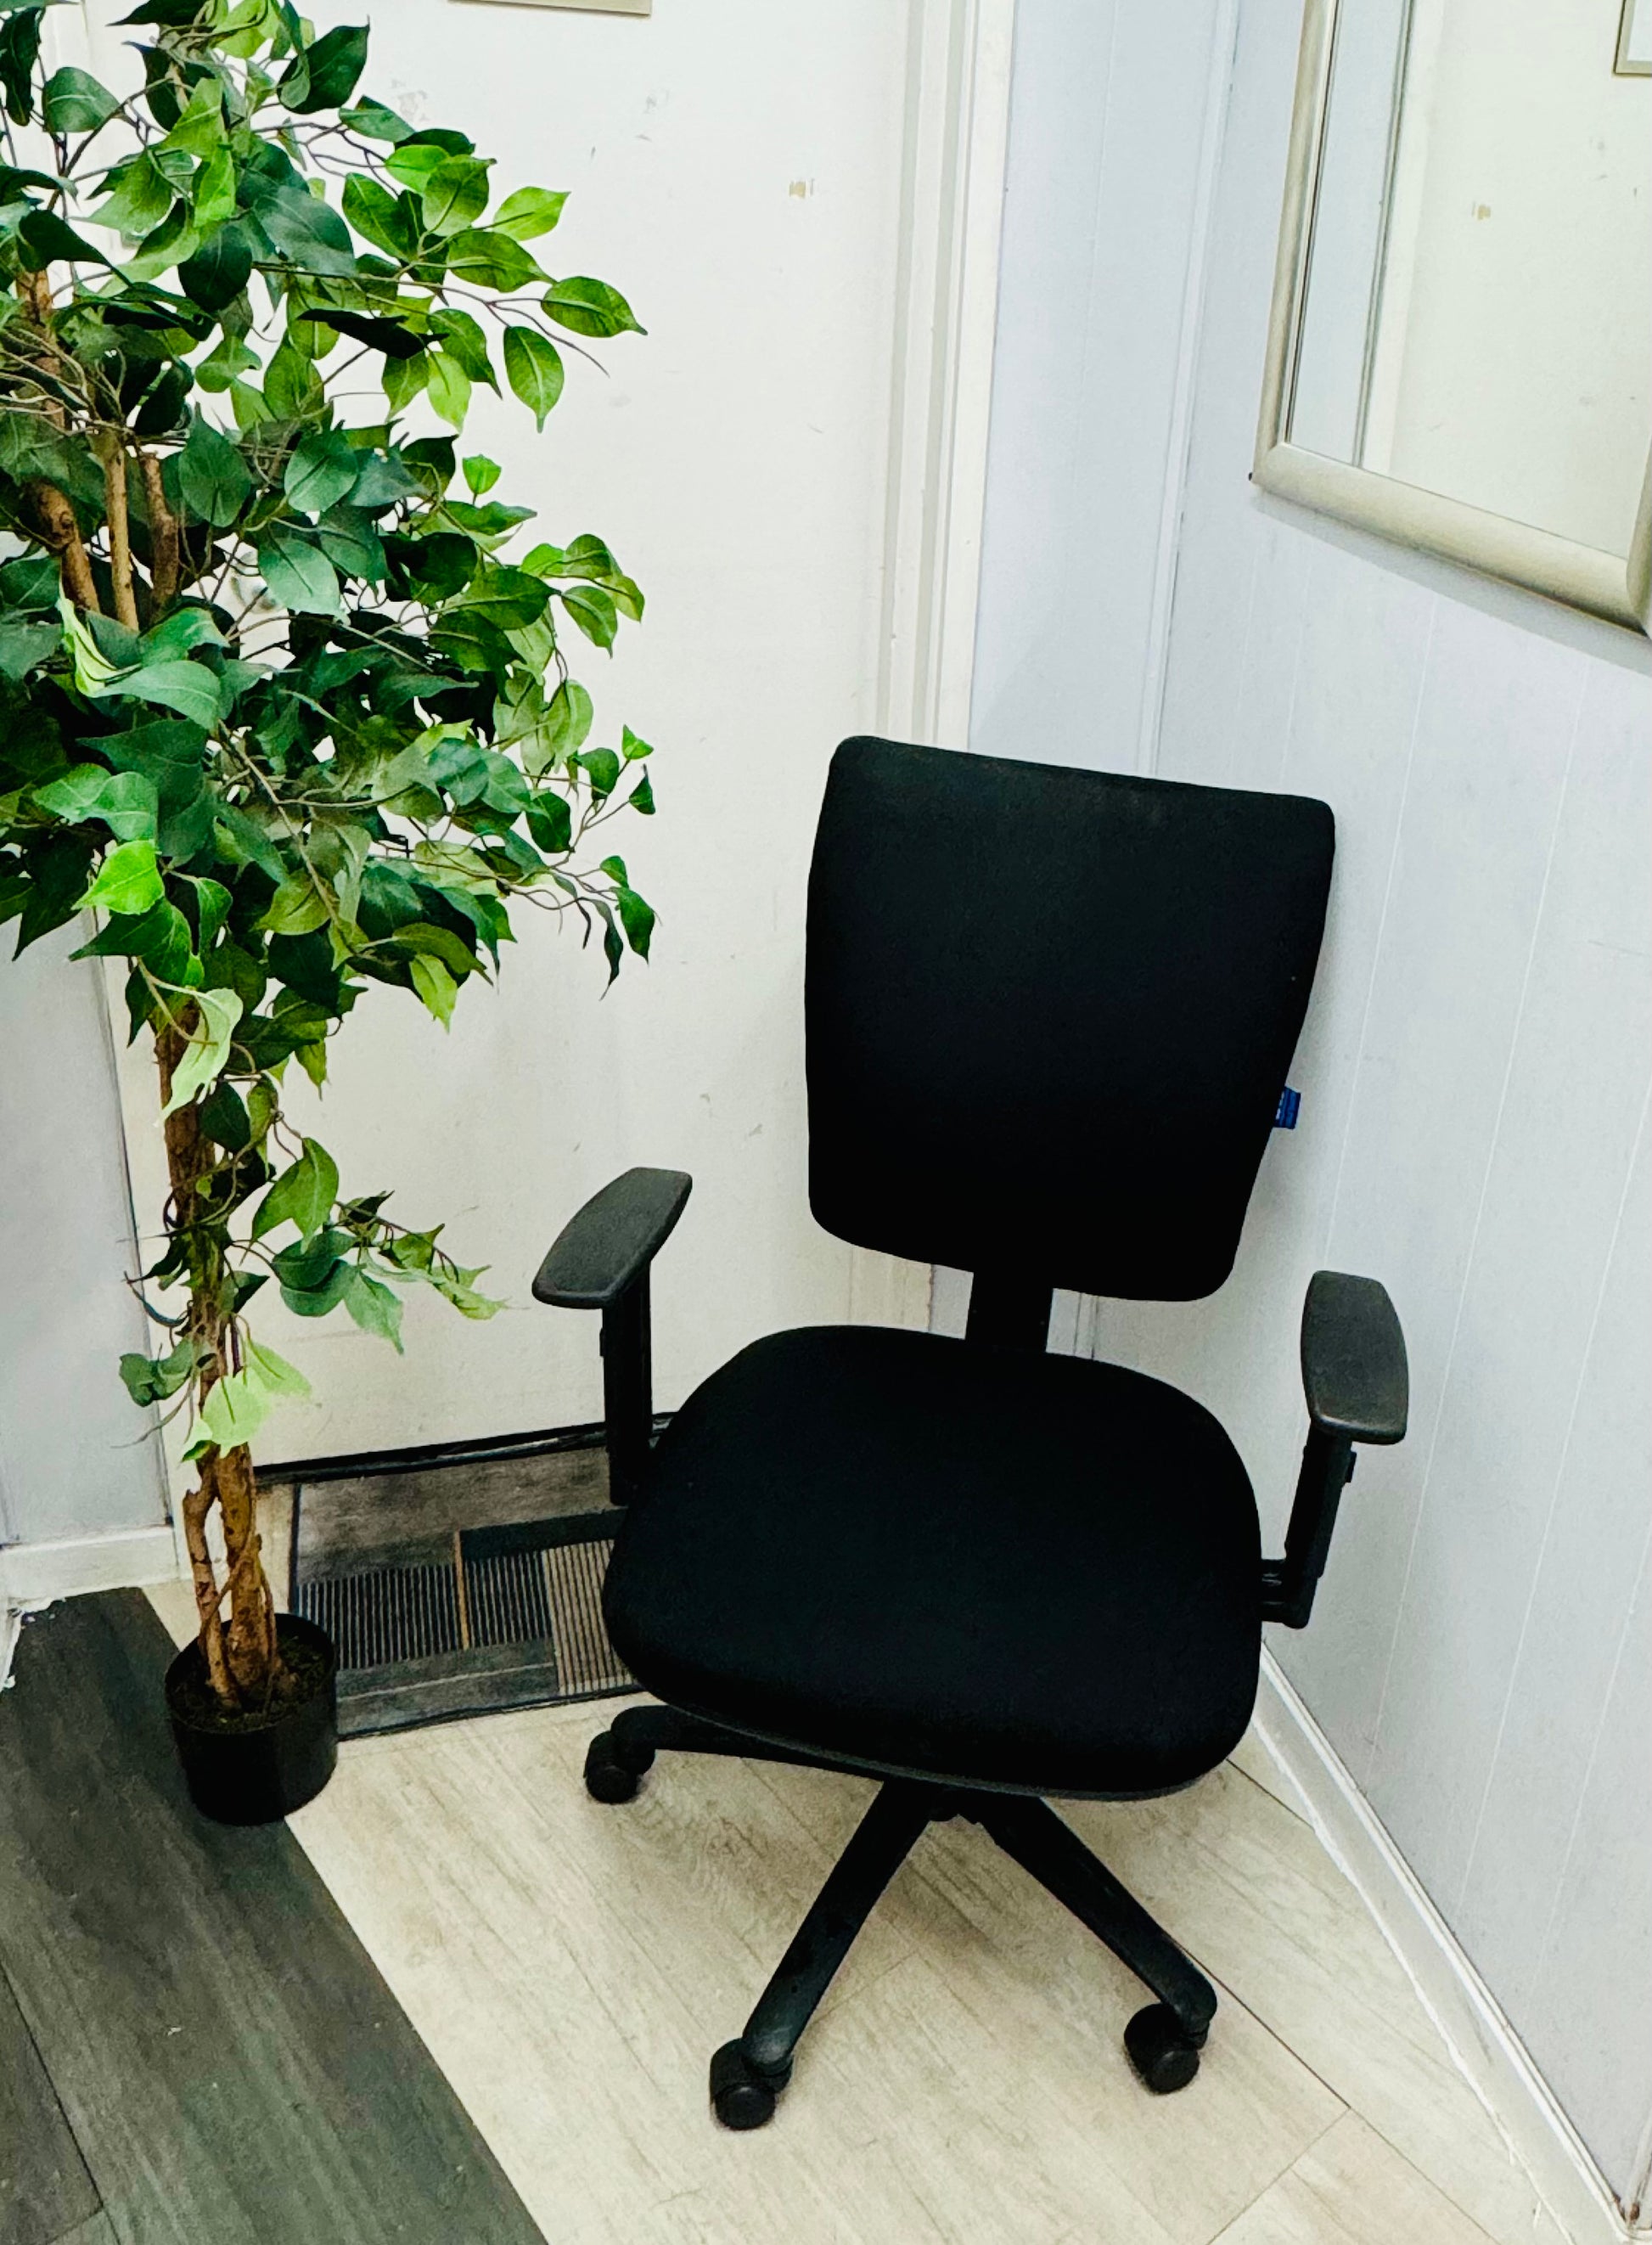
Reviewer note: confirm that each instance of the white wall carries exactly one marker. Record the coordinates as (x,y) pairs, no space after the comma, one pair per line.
(735,167)
(76,1457)
(1475,1069)
(1104,207)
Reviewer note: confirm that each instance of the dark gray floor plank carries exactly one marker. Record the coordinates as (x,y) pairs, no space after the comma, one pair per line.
(44,2187)
(233,2066)
(98,2231)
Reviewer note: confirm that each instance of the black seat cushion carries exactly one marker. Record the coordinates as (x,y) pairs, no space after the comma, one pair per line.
(921,1555)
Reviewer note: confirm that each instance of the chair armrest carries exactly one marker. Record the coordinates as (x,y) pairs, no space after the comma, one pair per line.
(611,1241)
(1353,1359)
(600,1262)
(1355,1378)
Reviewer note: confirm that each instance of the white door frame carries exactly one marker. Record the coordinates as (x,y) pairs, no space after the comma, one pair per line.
(956,145)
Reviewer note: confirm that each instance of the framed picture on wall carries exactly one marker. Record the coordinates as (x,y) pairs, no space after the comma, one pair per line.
(1634,40)
(592,7)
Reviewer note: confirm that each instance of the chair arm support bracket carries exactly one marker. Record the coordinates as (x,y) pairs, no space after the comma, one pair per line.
(1356,1380)
(600,1261)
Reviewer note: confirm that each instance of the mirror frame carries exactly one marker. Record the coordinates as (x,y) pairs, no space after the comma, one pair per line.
(1601,583)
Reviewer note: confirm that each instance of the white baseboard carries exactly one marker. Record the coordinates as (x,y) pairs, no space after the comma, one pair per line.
(35,1574)
(1485,2046)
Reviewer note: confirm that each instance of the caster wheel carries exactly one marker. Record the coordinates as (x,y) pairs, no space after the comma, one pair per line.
(741,2096)
(1159,2048)
(608,1777)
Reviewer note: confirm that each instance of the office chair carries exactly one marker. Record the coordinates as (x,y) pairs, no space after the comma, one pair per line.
(1049,1014)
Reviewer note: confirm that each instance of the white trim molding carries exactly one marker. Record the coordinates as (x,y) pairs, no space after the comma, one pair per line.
(957,126)
(957,146)
(34,1574)
(1493,2060)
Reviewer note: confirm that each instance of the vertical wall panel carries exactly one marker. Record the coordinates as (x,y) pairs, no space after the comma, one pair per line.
(1474,1069)
(76,1457)
(1090,334)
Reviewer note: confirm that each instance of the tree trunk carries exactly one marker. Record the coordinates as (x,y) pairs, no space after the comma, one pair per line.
(241,1654)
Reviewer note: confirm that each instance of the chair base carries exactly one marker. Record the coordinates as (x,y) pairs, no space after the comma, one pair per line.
(1162,2042)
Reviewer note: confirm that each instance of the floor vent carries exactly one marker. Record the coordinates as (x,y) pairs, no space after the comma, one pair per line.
(461,1613)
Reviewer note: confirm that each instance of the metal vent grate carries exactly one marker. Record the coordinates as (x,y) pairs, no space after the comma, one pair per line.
(514,1618)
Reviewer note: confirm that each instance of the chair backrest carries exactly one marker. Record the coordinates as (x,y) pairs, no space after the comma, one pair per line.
(1050,1013)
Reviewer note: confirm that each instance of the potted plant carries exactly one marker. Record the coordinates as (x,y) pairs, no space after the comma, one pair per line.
(273,702)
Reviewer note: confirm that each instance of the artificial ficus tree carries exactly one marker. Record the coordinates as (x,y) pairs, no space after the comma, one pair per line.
(277,699)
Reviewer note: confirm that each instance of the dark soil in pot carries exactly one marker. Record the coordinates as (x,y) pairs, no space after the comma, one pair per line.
(252,1766)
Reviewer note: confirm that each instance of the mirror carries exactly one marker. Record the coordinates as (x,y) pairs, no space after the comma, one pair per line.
(1462,348)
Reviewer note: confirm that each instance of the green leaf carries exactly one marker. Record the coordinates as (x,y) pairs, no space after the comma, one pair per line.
(324,76)
(160,937)
(25,642)
(18,54)
(148,1382)
(167,751)
(641,797)
(601,768)
(481,473)
(568,716)
(593,611)
(223,1118)
(295,908)
(636,917)
(404,378)
(302,1194)
(139,197)
(487,260)
(184,629)
(413,159)
(533,368)
(589,307)
(188,688)
(232,1415)
(306,232)
(630,747)
(374,1308)
(551,824)
(73,101)
(215,197)
(389,222)
(217,1012)
(453,193)
(292,387)
(127,881)
(509,598)
(527,213)
(19,51)
(465,342)
(273,1374)
(124,801)
(435,985)
(43,239)
(300,577)
(351,544)
(211,475)
(215,275)
(322,471)
(200,129)
(374,122)
(449,388)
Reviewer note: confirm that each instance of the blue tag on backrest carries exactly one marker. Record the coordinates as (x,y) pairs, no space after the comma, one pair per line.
(1288,1109)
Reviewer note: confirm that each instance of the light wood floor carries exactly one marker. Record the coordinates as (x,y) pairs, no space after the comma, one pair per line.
(571,1967)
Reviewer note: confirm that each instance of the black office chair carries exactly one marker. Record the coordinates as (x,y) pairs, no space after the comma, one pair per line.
(1049,1016)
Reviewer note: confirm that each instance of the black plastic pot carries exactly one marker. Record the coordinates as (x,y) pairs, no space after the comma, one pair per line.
(255,1769)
